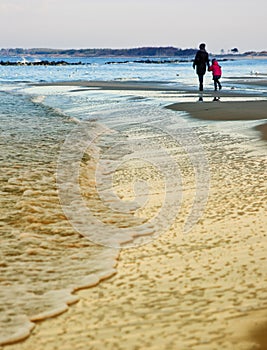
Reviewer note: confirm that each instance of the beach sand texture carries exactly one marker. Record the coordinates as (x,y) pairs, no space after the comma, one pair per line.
(233,110)
(202,290)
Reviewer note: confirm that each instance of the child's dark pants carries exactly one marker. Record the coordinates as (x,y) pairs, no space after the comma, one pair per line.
(216,82)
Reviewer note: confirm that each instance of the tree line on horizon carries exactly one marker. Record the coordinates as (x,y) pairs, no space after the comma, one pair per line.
(168,51)
(140,51)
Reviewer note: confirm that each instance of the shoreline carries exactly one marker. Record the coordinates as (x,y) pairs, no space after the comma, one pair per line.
(227,111)
(178,288)
(157,86)
(223,111)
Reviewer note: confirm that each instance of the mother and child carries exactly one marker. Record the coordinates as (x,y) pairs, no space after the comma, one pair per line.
(201,62)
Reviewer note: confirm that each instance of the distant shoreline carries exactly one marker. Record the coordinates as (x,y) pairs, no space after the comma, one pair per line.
(169,51)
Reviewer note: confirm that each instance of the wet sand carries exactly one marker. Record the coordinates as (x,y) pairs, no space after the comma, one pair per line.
(263,129)
(195,291)
(223,111)
(256,81)
(114,85)
(237,110)
(131,85)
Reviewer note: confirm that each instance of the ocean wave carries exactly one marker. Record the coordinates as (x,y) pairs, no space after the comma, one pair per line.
(43,259)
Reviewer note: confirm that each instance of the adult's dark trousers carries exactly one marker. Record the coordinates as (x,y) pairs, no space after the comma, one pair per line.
(200,78)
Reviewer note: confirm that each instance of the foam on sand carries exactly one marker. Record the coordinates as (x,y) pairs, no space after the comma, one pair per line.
(179,291)
(182,291)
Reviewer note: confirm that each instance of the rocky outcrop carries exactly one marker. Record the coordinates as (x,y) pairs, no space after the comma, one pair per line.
(41,63)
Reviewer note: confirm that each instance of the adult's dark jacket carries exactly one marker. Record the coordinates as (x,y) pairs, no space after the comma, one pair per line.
(201,61)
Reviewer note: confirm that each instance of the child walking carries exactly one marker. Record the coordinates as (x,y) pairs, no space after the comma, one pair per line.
(216,70)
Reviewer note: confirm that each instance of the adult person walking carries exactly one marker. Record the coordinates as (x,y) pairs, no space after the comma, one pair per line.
(201,62)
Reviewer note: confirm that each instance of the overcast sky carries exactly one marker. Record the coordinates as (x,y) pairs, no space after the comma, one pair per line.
(221,24)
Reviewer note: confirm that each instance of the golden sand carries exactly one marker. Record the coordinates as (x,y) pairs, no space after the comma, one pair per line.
(197,291)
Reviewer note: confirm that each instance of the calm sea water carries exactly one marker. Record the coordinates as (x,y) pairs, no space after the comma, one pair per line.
(97,69)
(43,258)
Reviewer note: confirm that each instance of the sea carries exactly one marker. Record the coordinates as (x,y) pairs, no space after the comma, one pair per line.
(59,143)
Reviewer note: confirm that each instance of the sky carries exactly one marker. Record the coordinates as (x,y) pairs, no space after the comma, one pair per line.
(224,24)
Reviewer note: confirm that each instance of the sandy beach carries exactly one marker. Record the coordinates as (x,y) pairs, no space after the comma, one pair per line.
(223,111)
(136,85)
(203,290)
(231,110)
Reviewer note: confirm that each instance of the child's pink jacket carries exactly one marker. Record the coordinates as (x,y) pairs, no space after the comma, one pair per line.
(215,68)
